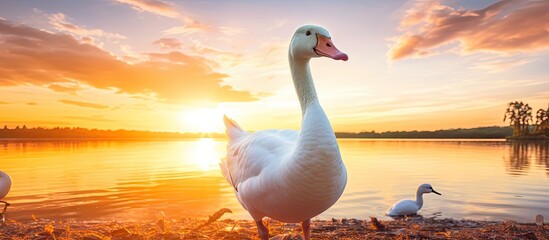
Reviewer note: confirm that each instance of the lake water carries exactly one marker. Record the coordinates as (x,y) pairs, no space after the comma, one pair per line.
(128,180)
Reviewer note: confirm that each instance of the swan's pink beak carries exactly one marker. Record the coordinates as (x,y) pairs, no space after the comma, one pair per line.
(325,47)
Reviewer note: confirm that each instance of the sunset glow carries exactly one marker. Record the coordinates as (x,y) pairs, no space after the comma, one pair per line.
(205,156)
(203,119)
(164,65)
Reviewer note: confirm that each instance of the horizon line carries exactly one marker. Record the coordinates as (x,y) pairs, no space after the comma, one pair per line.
(18,127)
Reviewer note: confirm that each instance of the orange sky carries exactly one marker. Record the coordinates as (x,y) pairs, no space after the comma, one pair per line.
(180,65)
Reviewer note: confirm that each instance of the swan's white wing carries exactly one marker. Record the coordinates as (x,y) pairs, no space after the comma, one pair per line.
(255,152)
(403,207)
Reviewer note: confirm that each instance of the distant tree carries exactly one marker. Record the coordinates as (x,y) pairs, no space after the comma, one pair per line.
(520,116)
(542,121)
(17,128)
(24,127)
(5,127)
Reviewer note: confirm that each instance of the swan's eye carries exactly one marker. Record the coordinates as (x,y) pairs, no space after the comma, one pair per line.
(328,45)
(308,33)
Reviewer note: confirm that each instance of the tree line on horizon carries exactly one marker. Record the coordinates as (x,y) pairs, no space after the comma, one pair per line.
(84,133)
(479,132)
(79,133)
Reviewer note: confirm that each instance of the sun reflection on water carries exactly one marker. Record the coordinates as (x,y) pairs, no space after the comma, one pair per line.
(108,180)
(205,154)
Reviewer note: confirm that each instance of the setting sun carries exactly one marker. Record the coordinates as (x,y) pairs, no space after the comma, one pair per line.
(206,120)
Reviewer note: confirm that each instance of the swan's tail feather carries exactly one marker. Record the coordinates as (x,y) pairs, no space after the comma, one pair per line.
(226,173)
(234,131)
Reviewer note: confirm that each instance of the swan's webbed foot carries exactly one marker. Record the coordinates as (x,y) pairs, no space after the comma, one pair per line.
(262,230)
(306,226)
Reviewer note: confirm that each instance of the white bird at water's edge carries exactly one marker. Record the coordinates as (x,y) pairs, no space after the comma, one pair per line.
(409,206)
(287,175)
(5,185)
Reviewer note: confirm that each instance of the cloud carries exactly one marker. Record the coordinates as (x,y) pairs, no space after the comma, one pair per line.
(153,6)
(59,22)
(32,103)
(221,57)
(501,64)
(29,122)
(168,43)
(32,56)
(245,68)
(232,31)
(94,118)
(420,11)
(65,87)
(165,9)
(189,27)
(84,104)
(280,23)
(505,26)
(4,102)
(130,56)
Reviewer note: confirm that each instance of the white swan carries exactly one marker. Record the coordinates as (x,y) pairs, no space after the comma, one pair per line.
(287,175)
(5,185)
(408,206)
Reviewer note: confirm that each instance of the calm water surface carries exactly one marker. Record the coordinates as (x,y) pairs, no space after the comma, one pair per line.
(127,180)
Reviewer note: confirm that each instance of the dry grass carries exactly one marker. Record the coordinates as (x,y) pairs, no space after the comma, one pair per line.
(244,229)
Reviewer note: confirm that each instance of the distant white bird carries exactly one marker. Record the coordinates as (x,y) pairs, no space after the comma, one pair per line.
(5,185)
(287,175)
(408,206)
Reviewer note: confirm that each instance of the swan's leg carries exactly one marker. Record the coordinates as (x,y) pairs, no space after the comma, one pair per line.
(5,206)
(262,230)
(306,226)
(2,217)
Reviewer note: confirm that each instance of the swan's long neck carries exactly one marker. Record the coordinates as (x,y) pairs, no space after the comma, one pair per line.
(303,82)
(315,126)
(315,170)
(419,199)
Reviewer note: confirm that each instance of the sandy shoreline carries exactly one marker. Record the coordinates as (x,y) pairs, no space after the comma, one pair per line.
(190,228)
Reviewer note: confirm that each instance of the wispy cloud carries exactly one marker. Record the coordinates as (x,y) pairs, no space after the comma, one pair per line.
(496,65)
(59,21)
(420,11)
(189,26)
(153,6)
(65,87)
(265,62)
(14,123)
(232,31)
(221,57)
(168,43)
(93,118)
(505,26)
(131,56)
(84,104)
(32,56)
